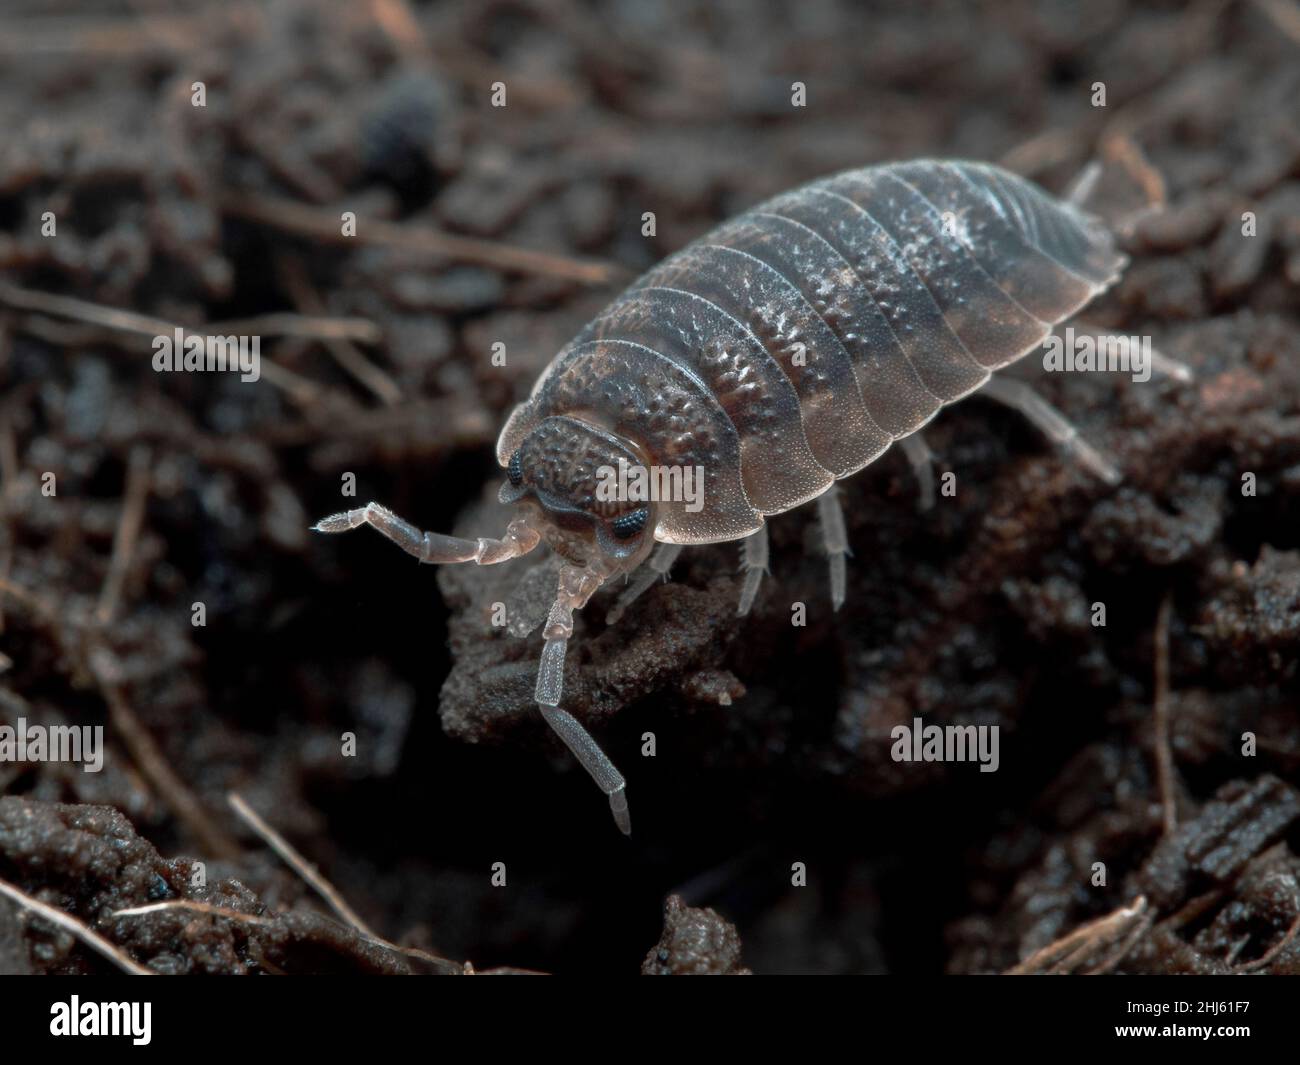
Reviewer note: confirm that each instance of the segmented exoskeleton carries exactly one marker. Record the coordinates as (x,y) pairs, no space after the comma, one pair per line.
(780,352)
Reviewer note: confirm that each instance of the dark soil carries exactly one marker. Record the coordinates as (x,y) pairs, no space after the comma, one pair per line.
(773,741)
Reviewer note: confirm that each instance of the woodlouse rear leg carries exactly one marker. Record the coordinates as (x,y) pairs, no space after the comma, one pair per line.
(753,563)
(655,568)
(1020,397)
(921,459)
(835,540)
(1163,364)
(1160,362)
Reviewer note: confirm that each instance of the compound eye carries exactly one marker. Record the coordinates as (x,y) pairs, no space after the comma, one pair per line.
(515,471)
(626,526)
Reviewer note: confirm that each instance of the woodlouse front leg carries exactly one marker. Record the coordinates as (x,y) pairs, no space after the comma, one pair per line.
(576,586)
(594,761)
(1019,396)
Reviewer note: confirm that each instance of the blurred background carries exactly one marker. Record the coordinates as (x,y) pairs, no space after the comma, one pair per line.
(482,225)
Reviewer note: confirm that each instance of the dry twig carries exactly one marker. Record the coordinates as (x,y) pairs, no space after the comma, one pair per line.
(69,923)
(1265,959)
(280,323)
(194,906)
(1164,754)
(128,531)
(1124,927)
(345,354)
(323,224)
(300,865)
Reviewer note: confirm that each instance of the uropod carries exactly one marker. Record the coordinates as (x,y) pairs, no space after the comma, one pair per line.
(782,351)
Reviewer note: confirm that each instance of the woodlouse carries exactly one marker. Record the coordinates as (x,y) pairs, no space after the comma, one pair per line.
(782,351)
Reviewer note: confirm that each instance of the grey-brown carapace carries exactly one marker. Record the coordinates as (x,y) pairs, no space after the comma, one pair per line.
(775,355)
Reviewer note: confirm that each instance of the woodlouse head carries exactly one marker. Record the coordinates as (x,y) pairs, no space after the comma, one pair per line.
(566,473)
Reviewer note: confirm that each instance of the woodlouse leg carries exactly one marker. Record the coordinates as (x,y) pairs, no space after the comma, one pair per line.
(1120,188)
(753,561)
(594,761)
(1163,364)
(520,537)
(577,585)
(922,459)
(656,567)
(835,540)
(1160,362)
(1019,396)
(1083,184)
